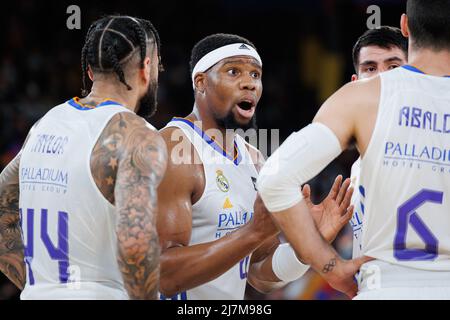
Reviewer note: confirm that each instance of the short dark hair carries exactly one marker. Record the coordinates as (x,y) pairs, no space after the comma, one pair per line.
(213,42)
(111,42)
(429,23)
(384,37)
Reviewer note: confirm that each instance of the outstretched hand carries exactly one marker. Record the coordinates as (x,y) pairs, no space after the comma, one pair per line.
(334,212)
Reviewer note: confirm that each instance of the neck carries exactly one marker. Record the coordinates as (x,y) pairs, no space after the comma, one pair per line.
(102,90)
(209,125)
(436,63)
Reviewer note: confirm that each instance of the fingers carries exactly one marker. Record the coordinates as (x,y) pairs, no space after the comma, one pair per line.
(347,199)
(335,188)
(306,191)
(347,216)
(358,262)
(343,191)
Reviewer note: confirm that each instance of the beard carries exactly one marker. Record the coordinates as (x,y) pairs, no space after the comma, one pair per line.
(147,105)
(230,122)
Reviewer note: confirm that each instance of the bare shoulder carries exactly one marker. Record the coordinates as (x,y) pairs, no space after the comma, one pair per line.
(175,137)
(354,95)
(352,107)
(125,136)
(182,153)
(365,91)
(142,144)
(184,166)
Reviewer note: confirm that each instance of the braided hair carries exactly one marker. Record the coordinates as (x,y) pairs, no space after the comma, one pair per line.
(112,41)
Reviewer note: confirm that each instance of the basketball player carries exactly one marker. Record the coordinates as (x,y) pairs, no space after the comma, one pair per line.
(377,50)
(209,224)
(83,186)
(400,121)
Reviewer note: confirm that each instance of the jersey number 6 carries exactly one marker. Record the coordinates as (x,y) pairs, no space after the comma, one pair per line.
(407,215)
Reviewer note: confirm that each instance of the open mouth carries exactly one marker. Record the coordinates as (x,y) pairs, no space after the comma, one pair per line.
(245,105)
(246,108)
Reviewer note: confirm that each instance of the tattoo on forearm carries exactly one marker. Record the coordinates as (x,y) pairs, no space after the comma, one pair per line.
(329,266)
(11,244)
(136,159)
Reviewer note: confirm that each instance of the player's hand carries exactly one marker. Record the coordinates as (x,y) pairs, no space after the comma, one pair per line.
(334,212)
(262,220)
(340,274)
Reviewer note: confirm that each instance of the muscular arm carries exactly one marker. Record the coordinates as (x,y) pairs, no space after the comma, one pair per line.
(11,244)
(183,266)
(141,165)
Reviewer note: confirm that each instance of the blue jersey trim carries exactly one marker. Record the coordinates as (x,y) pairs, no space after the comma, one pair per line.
(414,69)
(78,106)
(211,141)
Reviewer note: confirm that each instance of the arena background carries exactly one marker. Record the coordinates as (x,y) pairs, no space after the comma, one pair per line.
(305,47)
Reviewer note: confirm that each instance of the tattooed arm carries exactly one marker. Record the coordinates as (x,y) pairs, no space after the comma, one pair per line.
(141,165)
(11,244)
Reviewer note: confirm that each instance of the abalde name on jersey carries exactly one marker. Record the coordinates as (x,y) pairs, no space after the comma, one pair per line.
(415,155)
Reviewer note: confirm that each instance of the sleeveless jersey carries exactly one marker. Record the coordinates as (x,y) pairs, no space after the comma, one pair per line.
(68,226)
(357,218)
(225,205)
(405,176)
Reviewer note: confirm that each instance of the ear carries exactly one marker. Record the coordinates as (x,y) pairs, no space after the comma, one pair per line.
(354,77)
(90,73)
(404,25)
(200,81)
(145,72)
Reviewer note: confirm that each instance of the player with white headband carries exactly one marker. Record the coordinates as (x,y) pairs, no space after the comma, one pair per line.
(213,235)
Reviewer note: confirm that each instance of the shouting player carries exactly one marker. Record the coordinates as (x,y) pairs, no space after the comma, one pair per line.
(213,235)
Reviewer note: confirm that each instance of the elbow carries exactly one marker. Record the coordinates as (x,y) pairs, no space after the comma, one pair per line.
(169,282)
(278,192)
(168,286)
(268,188)
(264,287)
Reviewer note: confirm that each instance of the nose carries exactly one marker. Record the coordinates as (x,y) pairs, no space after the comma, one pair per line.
(247,83)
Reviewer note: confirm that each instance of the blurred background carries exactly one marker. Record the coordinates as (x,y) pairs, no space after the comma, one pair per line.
(305,47)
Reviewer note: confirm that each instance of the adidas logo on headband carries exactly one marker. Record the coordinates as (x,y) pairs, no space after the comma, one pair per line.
(211,58)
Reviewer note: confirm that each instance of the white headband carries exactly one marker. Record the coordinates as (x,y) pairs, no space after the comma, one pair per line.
(231,50)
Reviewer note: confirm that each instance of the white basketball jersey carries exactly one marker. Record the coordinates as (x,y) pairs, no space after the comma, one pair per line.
(225,205)
(68,226)
(358,212)
(405,174)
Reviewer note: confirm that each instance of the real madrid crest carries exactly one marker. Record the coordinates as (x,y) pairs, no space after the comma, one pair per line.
(222,182)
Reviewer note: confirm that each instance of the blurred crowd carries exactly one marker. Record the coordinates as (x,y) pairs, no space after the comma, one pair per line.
(305,47)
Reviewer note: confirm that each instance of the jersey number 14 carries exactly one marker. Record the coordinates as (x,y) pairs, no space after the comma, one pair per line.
(60,252)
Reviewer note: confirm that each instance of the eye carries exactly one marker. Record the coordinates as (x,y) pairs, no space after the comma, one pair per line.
(255,75)
(371,69)
(393,66)
(233,72)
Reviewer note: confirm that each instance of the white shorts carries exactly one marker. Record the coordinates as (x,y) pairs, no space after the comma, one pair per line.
(382,280)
